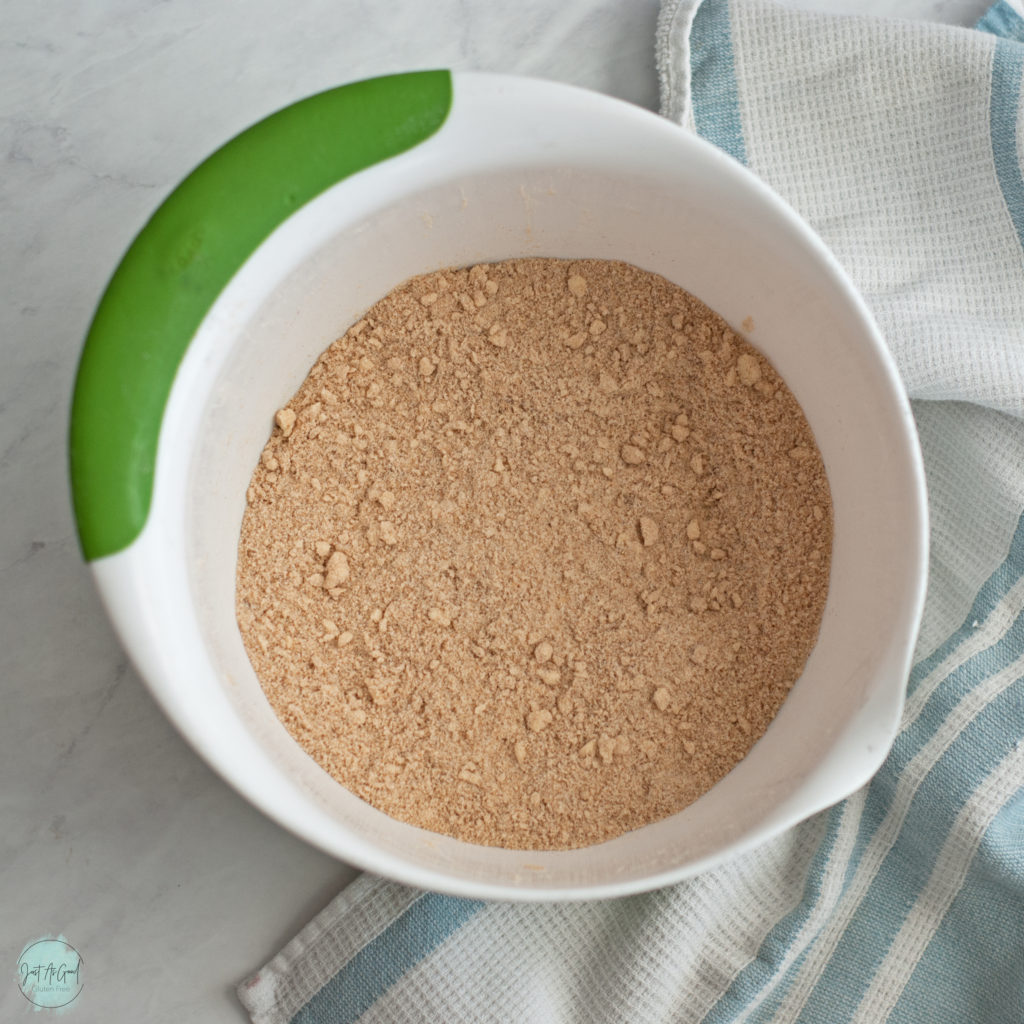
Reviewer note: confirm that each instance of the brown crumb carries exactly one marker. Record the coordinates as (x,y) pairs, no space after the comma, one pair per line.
(337,570)
(285,419)
(649,532)
(535,554)
(749,369)
(543,651)
(538,721)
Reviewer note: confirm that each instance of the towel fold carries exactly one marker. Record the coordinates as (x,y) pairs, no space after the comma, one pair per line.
(902,143)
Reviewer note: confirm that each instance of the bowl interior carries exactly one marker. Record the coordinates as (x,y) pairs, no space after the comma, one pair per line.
(589,178)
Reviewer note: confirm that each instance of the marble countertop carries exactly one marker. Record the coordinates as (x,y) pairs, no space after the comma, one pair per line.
(112,832)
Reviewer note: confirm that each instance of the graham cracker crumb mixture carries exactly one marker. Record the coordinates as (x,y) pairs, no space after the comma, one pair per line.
(535,554)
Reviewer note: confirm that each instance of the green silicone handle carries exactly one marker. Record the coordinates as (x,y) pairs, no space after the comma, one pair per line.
(181,261)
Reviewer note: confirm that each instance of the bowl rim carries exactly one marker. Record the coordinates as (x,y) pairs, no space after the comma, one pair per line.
(118,583)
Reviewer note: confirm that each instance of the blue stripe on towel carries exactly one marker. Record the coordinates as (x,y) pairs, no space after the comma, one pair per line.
(995,588)
(950,983)
(908,866)
(428,922)
(716,104)
(756,977)
(1007,72)
(1002,20)
(935,805)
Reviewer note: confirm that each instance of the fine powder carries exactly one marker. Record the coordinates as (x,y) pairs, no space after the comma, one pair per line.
(535,554)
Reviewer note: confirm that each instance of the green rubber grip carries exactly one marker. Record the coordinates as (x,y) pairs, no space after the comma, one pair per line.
(183,258)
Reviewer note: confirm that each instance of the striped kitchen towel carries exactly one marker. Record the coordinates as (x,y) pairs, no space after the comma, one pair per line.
(902,143)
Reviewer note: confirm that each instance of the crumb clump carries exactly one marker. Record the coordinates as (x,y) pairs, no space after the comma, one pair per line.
(535,553)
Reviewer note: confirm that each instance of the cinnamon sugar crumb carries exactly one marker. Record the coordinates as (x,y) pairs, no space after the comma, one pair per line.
(285,419)
(535,554)
(649,532)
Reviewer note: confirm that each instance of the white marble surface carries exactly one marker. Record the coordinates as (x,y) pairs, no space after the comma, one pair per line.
(112,831)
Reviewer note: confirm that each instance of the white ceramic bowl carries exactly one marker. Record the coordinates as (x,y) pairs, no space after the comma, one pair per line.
(270,249)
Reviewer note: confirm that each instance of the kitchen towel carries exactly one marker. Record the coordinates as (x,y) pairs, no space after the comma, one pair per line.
(903,144)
